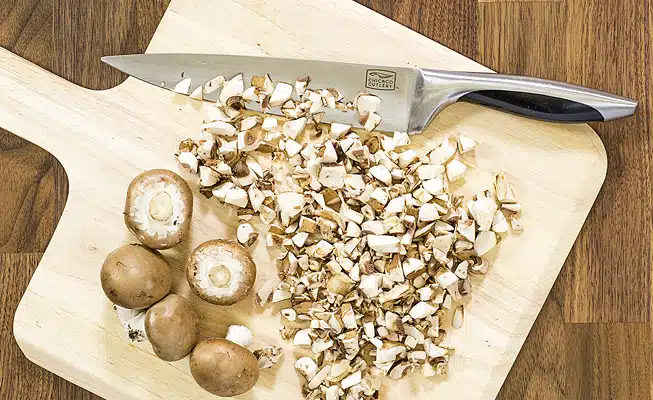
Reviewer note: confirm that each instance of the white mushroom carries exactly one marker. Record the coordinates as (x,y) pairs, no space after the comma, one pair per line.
(370,121)
(263,83)
(183,87)
(214,84)
(270,124)
(516,224)
(429,171)
(422,310)
(301,84)
(133,321)
(282,93)
(332,176)
(443,153)
(367,103)
(466,144)
(407,157)
(189,160)
(458,317)
(428,212)
(483,211)
(504,189)
(396,205)
(208,176)
(246,234)
(303,338)
(237,196)
(220,128)
(239,334)
(292,148)
(456,170)
(250,94)
(383,243)
(485,241)
(338,130)
(268,356)
(289,205)
(231,88)
(307,367)
(351,380)
(381,173)
(329,156)
(434,186)
(293,128)
(197,93)
(499,222)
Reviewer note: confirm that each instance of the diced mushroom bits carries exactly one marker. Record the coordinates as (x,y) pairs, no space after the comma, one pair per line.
(376,251)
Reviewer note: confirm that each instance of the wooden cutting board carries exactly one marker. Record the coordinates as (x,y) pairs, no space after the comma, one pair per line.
(103,139)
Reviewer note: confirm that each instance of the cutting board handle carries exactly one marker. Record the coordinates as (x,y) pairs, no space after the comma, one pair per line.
(37,105)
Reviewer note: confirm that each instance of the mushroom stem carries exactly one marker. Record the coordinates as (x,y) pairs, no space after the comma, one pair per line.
(220,275)
(160,206)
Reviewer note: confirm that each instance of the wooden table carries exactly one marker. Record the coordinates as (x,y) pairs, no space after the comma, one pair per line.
(593,336)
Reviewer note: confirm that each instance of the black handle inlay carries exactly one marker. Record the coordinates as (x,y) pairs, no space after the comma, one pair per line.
(537,106)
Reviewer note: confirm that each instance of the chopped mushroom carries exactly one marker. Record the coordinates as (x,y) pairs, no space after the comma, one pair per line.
(466,144)
(182,87)
(268,356)
(231,88)
(376,248)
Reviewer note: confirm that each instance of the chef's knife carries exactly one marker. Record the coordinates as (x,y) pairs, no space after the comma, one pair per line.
(410,97)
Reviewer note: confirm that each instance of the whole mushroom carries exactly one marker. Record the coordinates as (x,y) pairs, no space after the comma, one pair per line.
(221,272)
(172,327)
(134,276)
(223,367)
(158,208)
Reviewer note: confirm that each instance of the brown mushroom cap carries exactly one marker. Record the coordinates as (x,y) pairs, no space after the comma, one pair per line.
(134,276)
(158,208)
(172,326)
(223,368)
(221,272)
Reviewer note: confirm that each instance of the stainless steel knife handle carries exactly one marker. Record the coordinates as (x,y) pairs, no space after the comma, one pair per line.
(531,97)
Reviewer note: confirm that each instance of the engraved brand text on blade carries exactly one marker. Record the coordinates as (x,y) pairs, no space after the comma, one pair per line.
(380,79)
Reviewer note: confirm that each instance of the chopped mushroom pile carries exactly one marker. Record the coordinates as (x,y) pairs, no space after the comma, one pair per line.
(377,251)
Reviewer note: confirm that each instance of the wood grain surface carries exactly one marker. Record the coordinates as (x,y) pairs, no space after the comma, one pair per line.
(592,338)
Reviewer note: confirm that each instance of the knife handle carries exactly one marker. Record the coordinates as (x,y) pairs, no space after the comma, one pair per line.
(530,97)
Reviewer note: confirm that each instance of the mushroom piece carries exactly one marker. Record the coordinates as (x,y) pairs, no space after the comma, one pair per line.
(158,208)
(221,272)
(134,276)
(239,334)
(172,327)
(223,368)
(133,321)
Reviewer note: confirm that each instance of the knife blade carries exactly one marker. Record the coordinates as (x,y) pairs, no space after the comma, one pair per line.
(410,97)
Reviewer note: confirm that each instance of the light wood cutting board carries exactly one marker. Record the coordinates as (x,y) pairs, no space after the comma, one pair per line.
(103,139)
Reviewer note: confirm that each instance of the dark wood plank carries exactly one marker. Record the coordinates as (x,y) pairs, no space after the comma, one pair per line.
(450,22)
(563,360)
(26,29)
(19,378)
(92,29)
(516,38)
(608,274)
(33,193)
